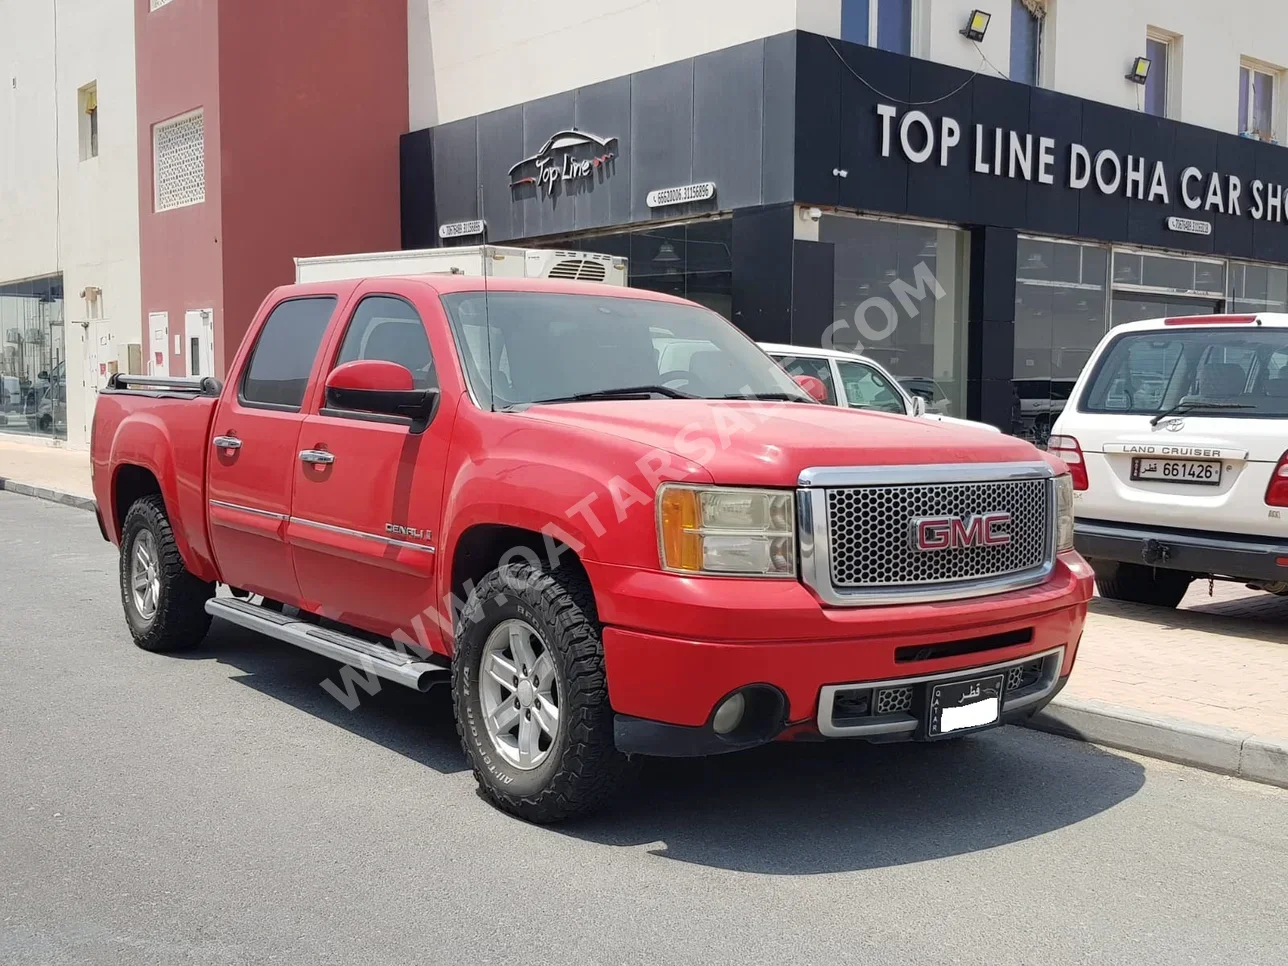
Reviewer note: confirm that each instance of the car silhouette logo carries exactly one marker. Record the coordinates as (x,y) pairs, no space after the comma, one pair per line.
(566,155)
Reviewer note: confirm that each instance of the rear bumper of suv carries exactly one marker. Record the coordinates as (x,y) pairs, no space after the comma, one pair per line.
(806,669)
(1198,552)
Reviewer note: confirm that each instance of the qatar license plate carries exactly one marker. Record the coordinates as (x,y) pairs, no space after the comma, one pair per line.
(1201,472)
(964,705)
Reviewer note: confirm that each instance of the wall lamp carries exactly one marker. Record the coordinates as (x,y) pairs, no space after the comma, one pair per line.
(1139,72)
(977,25)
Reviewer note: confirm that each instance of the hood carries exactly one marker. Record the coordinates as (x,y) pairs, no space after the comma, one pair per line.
(769,443)
(973,424)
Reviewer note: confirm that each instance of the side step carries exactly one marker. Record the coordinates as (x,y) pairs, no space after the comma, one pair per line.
(376,659)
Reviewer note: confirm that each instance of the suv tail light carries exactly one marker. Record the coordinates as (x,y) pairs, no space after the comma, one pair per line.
(1067,448)
(1277,491)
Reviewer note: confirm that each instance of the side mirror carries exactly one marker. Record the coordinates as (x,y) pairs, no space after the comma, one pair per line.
(919,405)
(376,386)
(814,386)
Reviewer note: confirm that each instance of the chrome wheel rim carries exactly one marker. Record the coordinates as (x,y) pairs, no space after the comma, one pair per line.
(145,575)
(520,694)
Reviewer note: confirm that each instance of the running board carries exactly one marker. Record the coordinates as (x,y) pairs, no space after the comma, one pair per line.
(384,662)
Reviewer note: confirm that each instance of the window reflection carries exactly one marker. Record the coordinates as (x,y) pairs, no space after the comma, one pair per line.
(692,261)
(1059,319)
(33,369)
(900,298)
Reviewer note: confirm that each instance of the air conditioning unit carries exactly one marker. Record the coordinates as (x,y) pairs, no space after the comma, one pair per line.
(575,266)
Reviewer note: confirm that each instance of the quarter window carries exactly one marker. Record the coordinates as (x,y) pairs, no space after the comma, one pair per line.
(389,329)
(280,363)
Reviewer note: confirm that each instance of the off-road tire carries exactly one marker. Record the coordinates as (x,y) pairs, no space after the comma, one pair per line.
(584,769)
(180,620)
(1141,584)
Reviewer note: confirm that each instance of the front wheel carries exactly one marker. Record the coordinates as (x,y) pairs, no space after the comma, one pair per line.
(531,695)
(165,605)
(1140,584)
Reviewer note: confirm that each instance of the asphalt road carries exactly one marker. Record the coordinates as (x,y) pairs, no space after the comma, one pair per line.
(221,808)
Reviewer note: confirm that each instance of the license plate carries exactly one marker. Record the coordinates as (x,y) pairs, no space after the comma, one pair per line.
(1202,472)
(964,705)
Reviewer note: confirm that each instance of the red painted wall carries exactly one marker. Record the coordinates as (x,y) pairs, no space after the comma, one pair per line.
(177,63)
(312,116)
(304,103)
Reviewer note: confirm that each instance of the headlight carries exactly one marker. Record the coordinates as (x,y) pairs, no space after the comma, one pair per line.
(726,530)
(1063,513)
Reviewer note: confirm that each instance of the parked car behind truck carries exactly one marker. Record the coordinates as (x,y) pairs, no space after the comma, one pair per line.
(1177,438)
(679,561)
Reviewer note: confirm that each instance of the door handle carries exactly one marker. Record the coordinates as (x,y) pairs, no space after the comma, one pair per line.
(226,442)
(317,456)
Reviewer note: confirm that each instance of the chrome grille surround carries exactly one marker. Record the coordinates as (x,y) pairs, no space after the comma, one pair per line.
(843,557)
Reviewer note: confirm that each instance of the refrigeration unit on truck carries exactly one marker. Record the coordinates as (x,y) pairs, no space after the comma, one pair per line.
(475,260)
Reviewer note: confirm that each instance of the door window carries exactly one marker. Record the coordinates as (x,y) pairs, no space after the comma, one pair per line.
(280,363)
(866,388)
(389,329)
(820,369)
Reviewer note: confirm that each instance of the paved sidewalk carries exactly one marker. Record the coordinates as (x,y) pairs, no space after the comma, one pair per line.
(1220,661)
(49,470)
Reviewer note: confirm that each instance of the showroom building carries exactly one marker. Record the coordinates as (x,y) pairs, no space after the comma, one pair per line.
(974,234)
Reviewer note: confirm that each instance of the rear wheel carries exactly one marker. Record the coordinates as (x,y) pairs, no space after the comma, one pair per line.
(165,605)
(1140,584)
(532,698)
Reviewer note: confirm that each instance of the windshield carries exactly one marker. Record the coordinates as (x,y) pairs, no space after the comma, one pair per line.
(1238,372)
(529,347)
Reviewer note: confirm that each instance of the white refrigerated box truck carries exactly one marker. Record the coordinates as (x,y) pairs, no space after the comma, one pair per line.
(491,260)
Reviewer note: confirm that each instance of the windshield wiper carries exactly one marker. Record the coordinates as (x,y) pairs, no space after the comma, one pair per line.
(623,392)
(1189,407)
(777,396)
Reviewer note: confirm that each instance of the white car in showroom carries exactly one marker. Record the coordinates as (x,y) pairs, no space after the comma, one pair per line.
(857,382)
(1175,436)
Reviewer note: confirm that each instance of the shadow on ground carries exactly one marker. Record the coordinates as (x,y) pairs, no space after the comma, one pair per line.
(785,809)
(844,806)
(419,726)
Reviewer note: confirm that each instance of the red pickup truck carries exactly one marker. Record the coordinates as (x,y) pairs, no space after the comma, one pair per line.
(603,514)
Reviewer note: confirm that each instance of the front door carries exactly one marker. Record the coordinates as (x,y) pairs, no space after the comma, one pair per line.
(368,492)
(253,451)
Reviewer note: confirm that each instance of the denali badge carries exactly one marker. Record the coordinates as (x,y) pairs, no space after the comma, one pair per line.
(946,533)
(396,530)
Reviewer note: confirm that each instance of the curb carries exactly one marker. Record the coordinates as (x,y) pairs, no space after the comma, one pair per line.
(1222,750)
(46,493)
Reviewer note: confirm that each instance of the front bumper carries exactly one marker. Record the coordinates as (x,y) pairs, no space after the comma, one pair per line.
(777,635)
(1195,551)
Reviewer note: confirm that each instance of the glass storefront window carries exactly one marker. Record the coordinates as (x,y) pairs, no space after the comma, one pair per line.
(1258,288)
(1060,305)
(33,369)
(692,261)
(1177,275)
(900,298)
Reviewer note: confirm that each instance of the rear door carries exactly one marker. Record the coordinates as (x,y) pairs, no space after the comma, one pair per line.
(368,493)
(252,456)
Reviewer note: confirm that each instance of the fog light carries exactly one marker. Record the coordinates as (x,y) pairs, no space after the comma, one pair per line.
(729,715)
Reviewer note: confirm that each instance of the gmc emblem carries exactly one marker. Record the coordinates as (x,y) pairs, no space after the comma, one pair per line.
(947,533)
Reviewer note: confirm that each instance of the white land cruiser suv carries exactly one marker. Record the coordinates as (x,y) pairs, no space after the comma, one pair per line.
(1176,435)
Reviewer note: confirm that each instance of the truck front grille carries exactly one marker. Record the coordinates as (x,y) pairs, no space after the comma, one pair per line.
(870,530)
(907,534)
